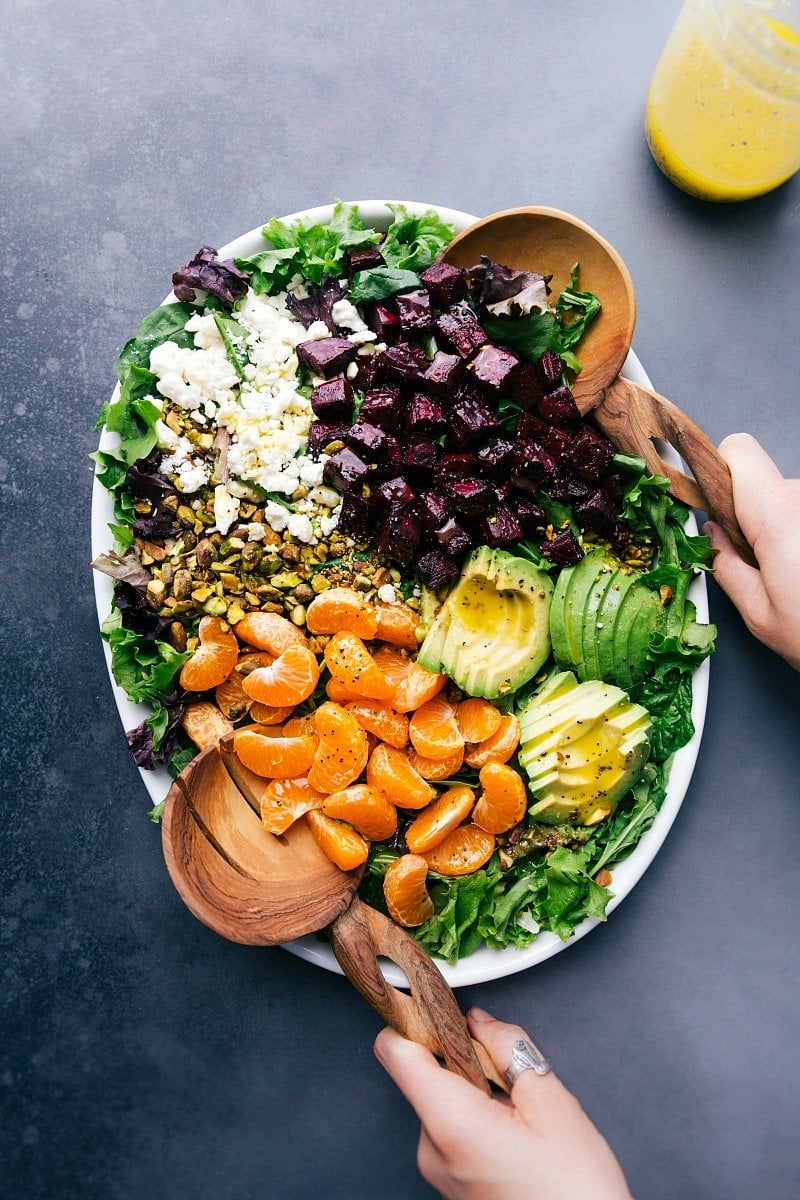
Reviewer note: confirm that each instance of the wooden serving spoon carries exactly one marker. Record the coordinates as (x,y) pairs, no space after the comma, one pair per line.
(550,241)
(258,889)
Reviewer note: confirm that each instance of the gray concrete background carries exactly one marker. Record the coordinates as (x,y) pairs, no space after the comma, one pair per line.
(141,1055)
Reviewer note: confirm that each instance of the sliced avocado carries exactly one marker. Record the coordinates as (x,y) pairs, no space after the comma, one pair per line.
(583,745)
(566,612)
(429,604)
(594,615)
(648,617)
(491,634)
(606,626)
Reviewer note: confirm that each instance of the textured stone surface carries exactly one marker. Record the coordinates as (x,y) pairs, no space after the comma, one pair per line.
(141,1055)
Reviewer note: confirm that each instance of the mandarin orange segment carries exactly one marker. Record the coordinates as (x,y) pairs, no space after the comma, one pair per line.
(477,719)
(213,660)
(301,727)
(437,769)
(390,726)
(433,729)
(342,609)
(504,799)
(289,680)
(270,714)
(416,687)
(390,772)
(349,661)
(406,894)
(341,752)
(438,819)
(269,631)
(393,662)
(341,844)
(231,699)
(272,756)
(397,624)
(340,694)
(284,801)
(365,808)
(462,851)
(497,748)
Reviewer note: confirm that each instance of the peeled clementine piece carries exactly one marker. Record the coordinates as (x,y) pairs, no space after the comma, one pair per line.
(342,609)
(289,680)
(477,719)
(417,686)
(462,851)
(272,756)
(436,821)
(341,751)
(387,725)
(269,631)
(390,772)
(503,801)
(213,660)
(393,662)
(365,808)
(230,695)
(339,842)
(436,769)
(406,894)
(497,748)
(349,661)
(433,729)
(397,624)
(270,714)
(284,801)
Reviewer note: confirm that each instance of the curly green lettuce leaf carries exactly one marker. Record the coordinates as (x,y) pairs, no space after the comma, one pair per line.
(413,242)
(144,668)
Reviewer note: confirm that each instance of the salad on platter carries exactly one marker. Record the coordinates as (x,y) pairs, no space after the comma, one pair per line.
(363,537)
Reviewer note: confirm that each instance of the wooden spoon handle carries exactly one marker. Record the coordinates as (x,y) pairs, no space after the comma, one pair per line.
(633,416)
(430,1015)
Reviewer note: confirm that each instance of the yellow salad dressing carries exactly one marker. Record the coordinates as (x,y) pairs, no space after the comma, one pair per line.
(723,110)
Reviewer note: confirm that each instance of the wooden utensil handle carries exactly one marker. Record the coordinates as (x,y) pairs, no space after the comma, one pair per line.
(632,416)
(430,1015)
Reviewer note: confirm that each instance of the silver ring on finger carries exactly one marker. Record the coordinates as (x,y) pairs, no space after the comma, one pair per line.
(525,1057)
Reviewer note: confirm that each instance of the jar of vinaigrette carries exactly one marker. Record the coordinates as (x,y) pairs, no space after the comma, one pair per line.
(723,109)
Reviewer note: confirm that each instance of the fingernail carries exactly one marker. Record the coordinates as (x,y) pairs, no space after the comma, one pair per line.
(479,1014)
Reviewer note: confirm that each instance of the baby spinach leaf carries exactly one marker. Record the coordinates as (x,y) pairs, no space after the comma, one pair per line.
(164,324)
(379,282)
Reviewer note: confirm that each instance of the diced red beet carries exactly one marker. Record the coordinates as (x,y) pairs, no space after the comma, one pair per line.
(554,440)
(565,486)
(456,466)
(333,400)
(404,361)
(591,454)
(460,327)
(471,418)
(345,471)
(530,515)
(425,416)
(533,463)
(453,538)
(596,512)
(445,283)
(414,311)
(498,456)
(559,407)
(356,518)
(421,455)
(363,258)
(551,370)
(400,534)
(470,496)
(494,368)
(433,509)
(502,528)
(326,356)
(384,406)
(392,461)
(396,490)
(436,569)
(367,440)
(322,433)
(526,386)
(444,373)
(383,321)
(370,371)
(612,486)
(564,549)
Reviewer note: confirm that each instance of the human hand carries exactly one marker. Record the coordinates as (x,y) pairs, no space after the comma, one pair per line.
(537,1144)
(768,511)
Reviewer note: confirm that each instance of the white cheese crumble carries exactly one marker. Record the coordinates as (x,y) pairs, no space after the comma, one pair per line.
(226,508)
(387,594)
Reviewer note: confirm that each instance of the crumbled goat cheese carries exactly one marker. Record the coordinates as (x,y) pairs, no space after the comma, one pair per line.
(226,508)
(387,594)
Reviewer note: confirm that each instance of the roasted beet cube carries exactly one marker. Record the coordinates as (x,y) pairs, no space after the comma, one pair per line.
(501,528)
(530,515)
(471,418)
(433,509)
(445,283)
(498,457)
(400,534)
(494,368)
(533,463)
(596,512)
(333,400)
(551,370)
(396,490)
(460,327)
(383,406)
(470,496)
(414,311)
(367,440)
(356,518)
(453,538)
(436,569)
(326,356)
(421,455)
(444,373)
(559,407)
(456,466)
(564,549)
(565,486)
(404,361)
(384,322)
(526,386)
(533,429)
(392,461)
(425,416)
(369,371)
(363,258)
(323,433)
(590,454)
(345,471)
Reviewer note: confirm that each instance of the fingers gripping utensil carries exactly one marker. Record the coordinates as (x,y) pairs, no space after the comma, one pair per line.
(260,890)
(634,417)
